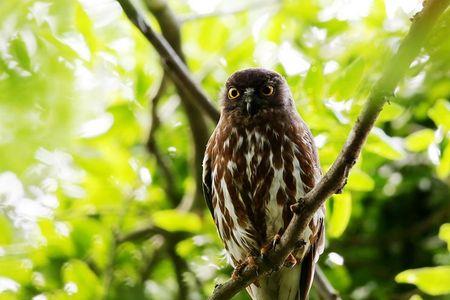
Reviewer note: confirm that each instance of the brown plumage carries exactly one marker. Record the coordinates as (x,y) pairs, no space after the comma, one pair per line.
(260,159)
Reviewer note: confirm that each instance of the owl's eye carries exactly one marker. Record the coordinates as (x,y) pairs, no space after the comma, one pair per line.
(233,93)
(267,90)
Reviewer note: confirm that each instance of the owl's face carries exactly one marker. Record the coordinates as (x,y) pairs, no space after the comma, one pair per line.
(252,90)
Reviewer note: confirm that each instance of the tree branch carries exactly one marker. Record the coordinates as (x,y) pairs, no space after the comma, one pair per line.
(173,64)
(335,178)
(164,164)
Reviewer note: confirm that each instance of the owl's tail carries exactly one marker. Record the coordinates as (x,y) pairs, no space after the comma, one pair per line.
(286,284)
(281,285)
(308,267)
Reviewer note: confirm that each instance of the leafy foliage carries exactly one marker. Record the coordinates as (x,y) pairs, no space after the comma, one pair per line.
(76,176)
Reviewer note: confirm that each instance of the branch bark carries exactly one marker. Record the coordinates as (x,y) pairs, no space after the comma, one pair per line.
(335,178)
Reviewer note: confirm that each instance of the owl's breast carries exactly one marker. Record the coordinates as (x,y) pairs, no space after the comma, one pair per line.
(257,176)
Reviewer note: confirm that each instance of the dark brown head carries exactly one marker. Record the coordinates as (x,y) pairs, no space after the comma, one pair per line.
(251,91)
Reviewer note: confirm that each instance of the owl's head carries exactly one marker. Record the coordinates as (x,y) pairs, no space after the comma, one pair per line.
(250,91)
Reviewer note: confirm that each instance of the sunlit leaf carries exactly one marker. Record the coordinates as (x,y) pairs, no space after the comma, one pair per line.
(360,181)
(314,82)
(382,144)
(58,244)
(340,216)
(347,84)
(443,169)
(434,281)
(440,113)
(7,230)
(419,140)
(390,112)
(444,234)
(16,269)
(174,220)
(80,282)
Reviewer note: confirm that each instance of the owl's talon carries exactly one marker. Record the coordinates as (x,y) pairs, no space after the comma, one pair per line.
(249,262)
(276,240)
(291,261)
(270,246)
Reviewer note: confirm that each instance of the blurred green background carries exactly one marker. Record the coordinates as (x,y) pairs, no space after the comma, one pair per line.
(89,209)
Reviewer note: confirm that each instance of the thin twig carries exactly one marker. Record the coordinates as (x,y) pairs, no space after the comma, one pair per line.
(109,274)
(151,230)
(164,164)
(151,262)
(172,62)
(171,239)
(335,178)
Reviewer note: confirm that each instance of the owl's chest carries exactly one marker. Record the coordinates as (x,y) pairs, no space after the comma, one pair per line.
(264,165)
(258,177)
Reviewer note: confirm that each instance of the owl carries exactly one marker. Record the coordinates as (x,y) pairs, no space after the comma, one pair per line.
(261,159)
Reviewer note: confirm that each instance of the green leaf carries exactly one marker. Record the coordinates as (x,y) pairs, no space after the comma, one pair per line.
(174,220)
(18,49)
(85,26)
(17,269)
(347,84)
(6,229)
(80,282)
(340,216)
(314,81)
(58,245)
(419,140)
(440,113)
(434,280)
(382,144)
(443,169)
(444,234)
(390,112)
(360,181)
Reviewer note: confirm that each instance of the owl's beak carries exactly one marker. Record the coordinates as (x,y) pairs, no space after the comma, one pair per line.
(250,102)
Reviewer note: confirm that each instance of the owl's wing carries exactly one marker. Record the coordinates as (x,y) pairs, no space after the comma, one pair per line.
(308,264)
(207,181)
(309,163)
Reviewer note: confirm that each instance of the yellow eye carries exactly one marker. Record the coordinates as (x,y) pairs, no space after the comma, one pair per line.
(267,90)
(233,93)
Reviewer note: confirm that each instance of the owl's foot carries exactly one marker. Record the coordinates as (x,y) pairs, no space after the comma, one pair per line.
(290,261)
(269,246)
(249,262)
